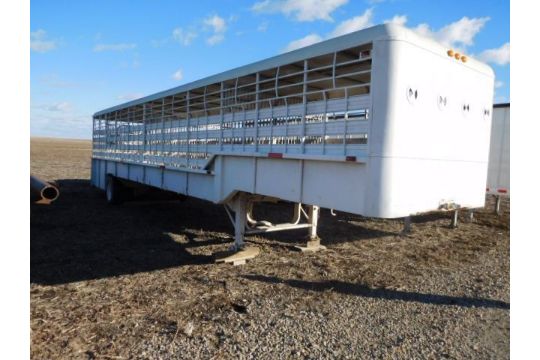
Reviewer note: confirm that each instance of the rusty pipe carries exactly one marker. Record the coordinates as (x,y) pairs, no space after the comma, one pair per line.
(42,191)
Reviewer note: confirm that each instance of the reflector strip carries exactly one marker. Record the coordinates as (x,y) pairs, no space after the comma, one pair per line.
(350,158)
(502,191)
(275,155)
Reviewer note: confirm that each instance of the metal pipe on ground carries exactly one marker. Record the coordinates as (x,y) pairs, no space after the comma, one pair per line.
(42,192)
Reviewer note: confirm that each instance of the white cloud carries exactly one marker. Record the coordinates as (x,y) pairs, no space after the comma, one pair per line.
(498,84)
(350,25)
(215,39)
(302,10)
(60,120)
(397,19)
(178,75)
(218,26)
(354,24)
(53,80)
(40,43)
(184,37)
(55,107)
(129,96)
(460,33)
(263,26)
(114,47)
(499,56)
(305,41)
(216,22)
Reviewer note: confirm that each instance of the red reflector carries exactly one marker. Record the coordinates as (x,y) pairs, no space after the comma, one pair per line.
(487,189)
(350,158)
(502,191)
(275,155)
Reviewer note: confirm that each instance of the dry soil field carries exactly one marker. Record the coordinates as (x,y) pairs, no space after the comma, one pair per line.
(138,281)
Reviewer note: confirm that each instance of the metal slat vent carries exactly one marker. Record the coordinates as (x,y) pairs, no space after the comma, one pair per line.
(317,106)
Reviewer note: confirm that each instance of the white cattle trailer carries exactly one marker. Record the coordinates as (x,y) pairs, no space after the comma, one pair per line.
(380,122)
(498,180)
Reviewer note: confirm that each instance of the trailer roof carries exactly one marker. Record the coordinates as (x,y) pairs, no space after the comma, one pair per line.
(378,32)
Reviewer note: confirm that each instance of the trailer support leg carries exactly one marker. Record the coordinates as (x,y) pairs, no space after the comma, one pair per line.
(471,215)
(240,217)
(406,225)
(497,205)
(454,223)
(238,253)
(314,242)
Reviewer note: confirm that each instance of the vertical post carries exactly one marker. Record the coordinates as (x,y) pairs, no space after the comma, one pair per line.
(471,215)
(455,217)
(313,213)
(93,135)
(325,121)
(313,243)
(221,115)
(257,78)
(162,131)
(497,204)
(406,225)
(106,149)
(188,128)
(240,216)
(304,109)
(116,135)
(144,132)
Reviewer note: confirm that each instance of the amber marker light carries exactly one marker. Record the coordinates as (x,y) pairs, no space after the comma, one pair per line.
(464,58)
(450,52)
(457,56)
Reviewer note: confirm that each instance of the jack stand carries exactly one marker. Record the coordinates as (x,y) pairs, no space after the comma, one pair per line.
(406,225)
(454,223)
(498,205)
(238,253)
(471,215)
(314,243)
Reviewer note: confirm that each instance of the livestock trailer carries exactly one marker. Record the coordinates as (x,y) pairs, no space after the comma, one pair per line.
(380,122)
(498,180)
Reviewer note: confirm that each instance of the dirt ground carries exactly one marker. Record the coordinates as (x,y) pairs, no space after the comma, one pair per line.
(138,280)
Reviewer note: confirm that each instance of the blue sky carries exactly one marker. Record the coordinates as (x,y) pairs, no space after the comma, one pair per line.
(89,55)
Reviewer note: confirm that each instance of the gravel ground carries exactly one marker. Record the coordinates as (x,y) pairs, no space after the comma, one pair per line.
(138,281)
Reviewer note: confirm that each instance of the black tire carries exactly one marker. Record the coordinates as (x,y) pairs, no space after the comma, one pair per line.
(113,191)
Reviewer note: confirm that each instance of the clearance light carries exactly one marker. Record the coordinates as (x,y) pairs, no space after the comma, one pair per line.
(350,158)
(464,58)
(502,191)
(275,155)
(457,56)
(450,52)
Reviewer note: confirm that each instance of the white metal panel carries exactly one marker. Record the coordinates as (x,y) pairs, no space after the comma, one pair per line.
(414,145)
(236,174)
(175,181)
(328,184)
(280,178)
(498,181)
(201,186)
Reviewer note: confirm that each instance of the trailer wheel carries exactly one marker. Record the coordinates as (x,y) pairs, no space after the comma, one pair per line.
(113,191)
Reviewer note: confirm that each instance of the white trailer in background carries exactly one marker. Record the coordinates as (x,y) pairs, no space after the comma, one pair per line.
(381,122)
(498,180)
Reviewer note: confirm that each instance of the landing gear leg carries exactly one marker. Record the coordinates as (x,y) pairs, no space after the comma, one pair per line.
(314,242)
(238,253)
